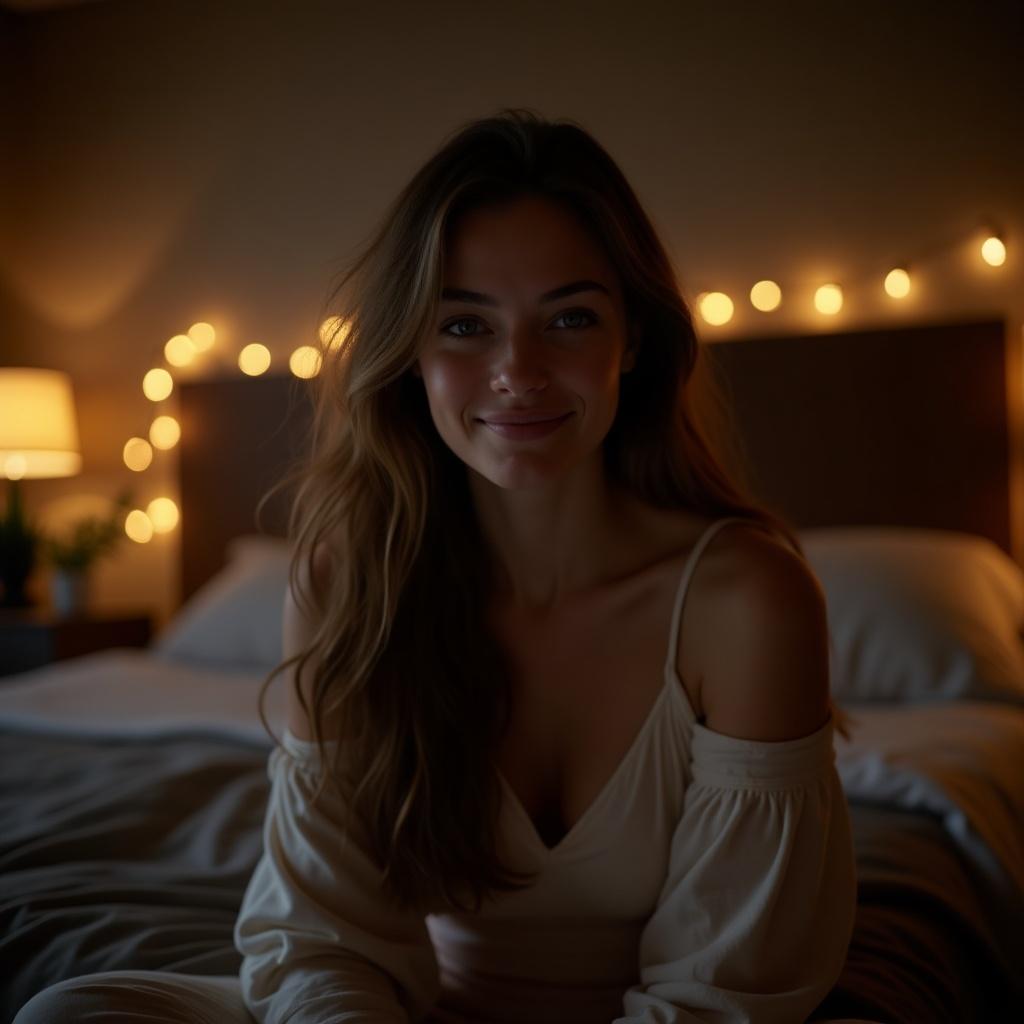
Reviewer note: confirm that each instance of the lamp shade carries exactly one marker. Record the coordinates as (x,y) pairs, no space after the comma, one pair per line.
(38,430)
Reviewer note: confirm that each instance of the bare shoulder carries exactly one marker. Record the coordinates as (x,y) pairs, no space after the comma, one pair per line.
(300,623)
(763,627)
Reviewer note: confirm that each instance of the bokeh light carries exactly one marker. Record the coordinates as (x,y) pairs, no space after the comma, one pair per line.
(164,432)
(993,252)
(137,454)
(138,526)
(157,384)
(163,514)
(305,362)
(202,335)
(254,359)
(765,296)
(179,350)
(716,308)
(828,299)
(897,283)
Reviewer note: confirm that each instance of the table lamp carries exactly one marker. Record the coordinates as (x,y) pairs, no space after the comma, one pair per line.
(38,438)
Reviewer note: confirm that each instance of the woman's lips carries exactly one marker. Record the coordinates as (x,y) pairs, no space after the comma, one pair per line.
(526,431)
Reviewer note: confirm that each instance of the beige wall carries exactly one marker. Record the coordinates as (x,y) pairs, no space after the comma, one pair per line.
(167,161)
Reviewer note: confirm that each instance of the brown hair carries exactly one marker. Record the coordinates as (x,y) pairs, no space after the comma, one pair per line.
(404,668)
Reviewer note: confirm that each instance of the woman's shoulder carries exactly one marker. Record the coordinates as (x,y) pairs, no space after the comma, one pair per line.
(753,637)
(736,550)
(760,615)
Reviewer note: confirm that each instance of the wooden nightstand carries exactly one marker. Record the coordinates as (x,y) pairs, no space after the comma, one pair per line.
(30,637)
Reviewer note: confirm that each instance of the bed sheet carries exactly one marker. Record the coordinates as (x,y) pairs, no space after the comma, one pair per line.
(135,693)
(132,793)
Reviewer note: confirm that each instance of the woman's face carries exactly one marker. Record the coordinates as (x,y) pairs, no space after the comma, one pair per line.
(531,326)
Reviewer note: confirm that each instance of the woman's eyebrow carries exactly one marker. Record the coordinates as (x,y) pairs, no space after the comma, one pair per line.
(464,295)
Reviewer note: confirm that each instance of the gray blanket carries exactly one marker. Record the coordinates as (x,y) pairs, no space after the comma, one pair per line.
(134,855)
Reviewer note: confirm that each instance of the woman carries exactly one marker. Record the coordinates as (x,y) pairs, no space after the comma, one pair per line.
(518,784)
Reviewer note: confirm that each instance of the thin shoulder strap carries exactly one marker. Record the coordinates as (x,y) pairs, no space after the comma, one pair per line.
(684,583)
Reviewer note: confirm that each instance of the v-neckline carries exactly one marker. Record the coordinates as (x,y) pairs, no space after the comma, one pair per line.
(672,682)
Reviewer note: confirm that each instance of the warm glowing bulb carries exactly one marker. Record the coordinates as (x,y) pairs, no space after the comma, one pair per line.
(163,514)
(897,283)
(333,332)
(828,299)
(305,362)
(993,252)
(202,335)
(14,466)
(138,526)
(254,359)
(180,350)
(716,308)
(137,454)
(157,384)
(164,432)
(765,296)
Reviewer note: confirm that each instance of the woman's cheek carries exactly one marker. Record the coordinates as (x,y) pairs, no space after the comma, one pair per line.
(450,385)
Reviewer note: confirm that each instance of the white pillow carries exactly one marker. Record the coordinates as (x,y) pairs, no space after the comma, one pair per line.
(920,614)
(234,619)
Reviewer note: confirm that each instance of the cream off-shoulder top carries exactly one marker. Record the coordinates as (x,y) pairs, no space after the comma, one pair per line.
(712,879)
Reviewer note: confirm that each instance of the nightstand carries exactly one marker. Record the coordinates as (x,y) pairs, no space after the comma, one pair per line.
(31,637)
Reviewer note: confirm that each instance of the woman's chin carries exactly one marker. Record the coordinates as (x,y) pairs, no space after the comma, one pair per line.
(524,473)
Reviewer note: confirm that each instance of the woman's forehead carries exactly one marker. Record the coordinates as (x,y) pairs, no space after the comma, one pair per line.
(528,247)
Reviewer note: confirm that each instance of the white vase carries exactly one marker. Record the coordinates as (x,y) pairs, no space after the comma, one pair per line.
(69,591)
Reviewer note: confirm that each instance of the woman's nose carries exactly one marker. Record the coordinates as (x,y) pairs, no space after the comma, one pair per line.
(520,367)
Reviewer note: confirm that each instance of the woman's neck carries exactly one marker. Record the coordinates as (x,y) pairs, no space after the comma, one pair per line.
(551,544)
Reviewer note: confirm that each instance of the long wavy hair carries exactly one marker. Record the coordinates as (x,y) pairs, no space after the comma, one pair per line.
(409,690)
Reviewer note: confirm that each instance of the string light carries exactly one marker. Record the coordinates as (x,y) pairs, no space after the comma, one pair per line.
(157,384)
(897,283)
(180,350)
(715,308)
(993,251)
(329,328)
(138,526)
(254,359)
(164,432)
(163,514)
(305,362)
(828,299)
(137,454)
(765,296)
(202,335)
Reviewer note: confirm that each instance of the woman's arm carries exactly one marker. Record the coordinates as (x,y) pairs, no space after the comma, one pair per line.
(756,913)
(320,944)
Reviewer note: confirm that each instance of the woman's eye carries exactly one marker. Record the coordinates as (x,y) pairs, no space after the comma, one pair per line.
(447,329)
(587,316)
(573,314)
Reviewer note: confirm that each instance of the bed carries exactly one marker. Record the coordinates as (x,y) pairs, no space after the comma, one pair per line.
(133,781)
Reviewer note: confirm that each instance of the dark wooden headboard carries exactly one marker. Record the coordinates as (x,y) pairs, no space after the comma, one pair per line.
(906,426)
(238,437)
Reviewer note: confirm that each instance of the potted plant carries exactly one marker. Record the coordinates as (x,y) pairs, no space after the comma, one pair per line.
(73,555)
(19,541)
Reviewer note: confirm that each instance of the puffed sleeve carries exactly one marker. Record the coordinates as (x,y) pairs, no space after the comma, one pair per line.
(754,919)
(319,943)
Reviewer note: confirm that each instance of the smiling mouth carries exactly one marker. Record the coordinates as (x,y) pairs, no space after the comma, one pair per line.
(523,430)
(517,420)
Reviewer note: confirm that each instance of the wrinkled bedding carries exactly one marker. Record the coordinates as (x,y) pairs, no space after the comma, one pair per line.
(123,854)
(129,853)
